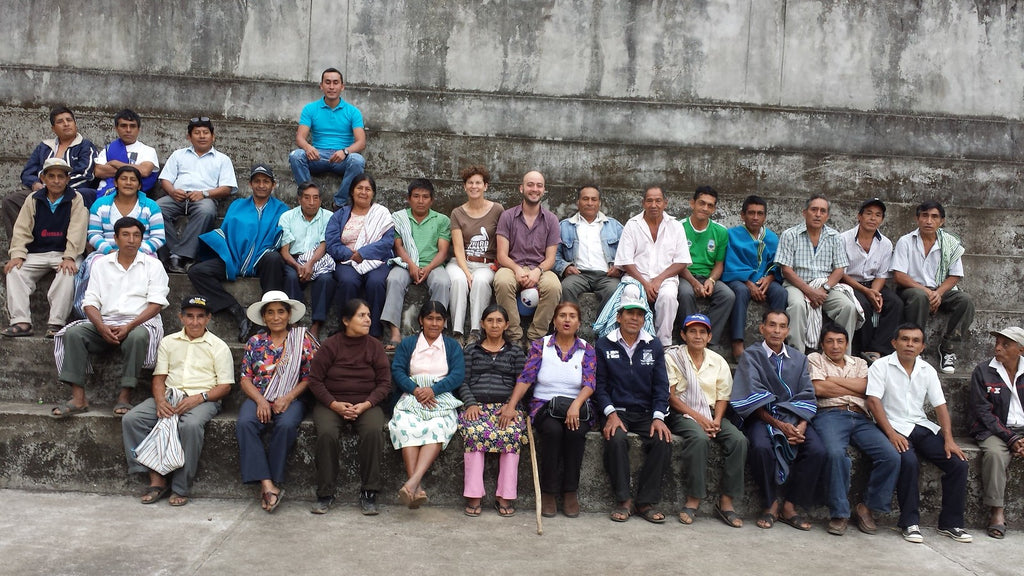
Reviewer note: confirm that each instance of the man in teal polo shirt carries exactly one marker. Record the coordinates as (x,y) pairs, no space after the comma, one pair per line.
(422,238)
(707,240)
(330,137)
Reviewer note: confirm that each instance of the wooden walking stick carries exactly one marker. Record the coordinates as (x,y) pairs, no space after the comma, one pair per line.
(536,477)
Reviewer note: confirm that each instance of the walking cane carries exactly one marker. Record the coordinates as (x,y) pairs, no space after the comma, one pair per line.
(536,477)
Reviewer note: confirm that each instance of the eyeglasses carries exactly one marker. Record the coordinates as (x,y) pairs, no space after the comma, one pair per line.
(199,119)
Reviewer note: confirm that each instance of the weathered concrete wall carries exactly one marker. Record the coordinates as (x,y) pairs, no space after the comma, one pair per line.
(933,56)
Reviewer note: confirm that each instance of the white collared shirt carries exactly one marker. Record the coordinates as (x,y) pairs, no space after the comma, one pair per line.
(874,263)
(909,258)
(637,247)
(589,248)
(115,291)
(903,396)
(1015,416)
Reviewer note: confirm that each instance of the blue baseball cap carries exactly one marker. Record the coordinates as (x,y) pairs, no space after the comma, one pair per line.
(697,319)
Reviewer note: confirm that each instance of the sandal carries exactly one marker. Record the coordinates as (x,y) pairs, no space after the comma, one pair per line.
(271,505)
(391,345)
(177,499)
(154,494)
(67,410)
(122,408)
(870,357)
(997,531)
(730,517)
(17,331)
(651,515)
(472,510)
(620,514)
(798,521)
(766,520)
(52,329)
(687,516)
(405,497)
(419,500)
(505,511)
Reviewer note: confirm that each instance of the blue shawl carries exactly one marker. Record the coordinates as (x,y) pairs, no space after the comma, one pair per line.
(244,236)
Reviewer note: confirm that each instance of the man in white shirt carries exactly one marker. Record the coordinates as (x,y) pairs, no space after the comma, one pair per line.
(126,150)
(870,255)
(653,251)
(586,255)
(127,290)
(927,267)
(898,386)
(193,179)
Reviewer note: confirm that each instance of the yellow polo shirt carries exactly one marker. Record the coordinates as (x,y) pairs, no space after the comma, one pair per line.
(194,366)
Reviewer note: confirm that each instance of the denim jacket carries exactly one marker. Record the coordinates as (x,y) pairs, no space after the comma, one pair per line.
(568,249)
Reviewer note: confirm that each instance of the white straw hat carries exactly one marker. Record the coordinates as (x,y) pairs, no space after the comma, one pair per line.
(254,312)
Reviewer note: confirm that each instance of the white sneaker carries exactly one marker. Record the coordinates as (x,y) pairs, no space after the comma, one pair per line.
(948,363)
(958,534)
(913,534)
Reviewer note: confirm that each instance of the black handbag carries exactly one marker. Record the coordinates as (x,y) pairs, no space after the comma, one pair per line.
(559,405)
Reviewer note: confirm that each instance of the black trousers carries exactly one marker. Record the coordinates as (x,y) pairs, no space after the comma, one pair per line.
(802,483)
(872,338)
(207,277)
(561,453)
(657,455)
(926,445)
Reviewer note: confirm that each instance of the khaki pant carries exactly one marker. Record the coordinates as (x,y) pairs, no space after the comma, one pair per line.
(21,282)
(995,457)
(506,293)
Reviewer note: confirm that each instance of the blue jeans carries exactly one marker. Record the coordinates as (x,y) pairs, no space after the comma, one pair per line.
(838,429)
(321,292)
(777,300)
(349,168)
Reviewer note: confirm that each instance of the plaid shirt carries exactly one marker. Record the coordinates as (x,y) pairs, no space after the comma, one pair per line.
(796,251)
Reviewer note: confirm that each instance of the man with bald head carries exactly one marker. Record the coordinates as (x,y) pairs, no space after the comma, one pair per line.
(528,238)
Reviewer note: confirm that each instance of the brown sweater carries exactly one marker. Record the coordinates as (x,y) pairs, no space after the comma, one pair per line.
(350,370)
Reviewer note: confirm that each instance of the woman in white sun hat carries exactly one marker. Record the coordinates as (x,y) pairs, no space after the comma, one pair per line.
(274,376)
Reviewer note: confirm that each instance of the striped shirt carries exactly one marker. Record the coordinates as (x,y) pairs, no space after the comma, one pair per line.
(809,261)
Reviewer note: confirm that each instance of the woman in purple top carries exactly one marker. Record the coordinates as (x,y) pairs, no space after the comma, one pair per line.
(561,368)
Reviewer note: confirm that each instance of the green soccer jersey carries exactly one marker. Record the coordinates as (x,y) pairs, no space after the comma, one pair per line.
(707,247)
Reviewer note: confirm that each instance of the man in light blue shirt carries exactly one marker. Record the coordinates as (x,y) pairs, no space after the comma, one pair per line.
(193,179)
(303,253)
(330,137)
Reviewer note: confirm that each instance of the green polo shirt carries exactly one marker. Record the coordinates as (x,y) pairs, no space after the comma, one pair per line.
(706,248)
(426,234)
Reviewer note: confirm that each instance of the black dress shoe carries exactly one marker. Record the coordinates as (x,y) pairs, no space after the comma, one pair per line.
(174,265)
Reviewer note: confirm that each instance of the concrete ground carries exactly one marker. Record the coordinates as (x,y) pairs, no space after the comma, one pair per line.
(74,533)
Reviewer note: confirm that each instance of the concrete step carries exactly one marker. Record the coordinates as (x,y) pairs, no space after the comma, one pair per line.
(85,453)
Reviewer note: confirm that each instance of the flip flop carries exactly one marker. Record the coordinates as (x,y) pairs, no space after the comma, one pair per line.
(651,515)
(67,410)
(122,408)
(177,500)
(472,511)
(504,511)
(620,514)
(997,531)
(154,494)
(687,516)
(419,500)
(730,517)
(798,521)
(15,331)
(405,497)
(271,506)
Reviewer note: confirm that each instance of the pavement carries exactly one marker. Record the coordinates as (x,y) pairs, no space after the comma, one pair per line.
(70,533)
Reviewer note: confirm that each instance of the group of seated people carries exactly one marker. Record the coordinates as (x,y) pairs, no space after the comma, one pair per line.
(820,287)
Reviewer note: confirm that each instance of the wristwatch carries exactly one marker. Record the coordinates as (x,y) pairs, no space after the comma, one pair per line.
(206,397)
(206,193)
(826,287)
